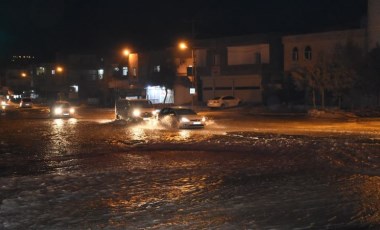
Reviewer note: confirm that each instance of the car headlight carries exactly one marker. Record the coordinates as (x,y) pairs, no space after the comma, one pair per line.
(3,103)
(185,119)
(203,119)
(58,111)
(72,110)
(136,113)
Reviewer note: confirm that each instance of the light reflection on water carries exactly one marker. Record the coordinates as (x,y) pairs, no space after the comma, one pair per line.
(369,192)
(342,201)
(146,132)
(59,144)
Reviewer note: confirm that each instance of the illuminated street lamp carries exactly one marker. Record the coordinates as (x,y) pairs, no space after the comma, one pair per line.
(23,74)
(182,45)
(59,69)
(126,52)
(194,90)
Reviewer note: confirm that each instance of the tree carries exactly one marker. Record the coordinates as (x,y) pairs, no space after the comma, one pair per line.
(336,73)
(344,69)
(302,81)
(315,78)
(369,83)
(164,76)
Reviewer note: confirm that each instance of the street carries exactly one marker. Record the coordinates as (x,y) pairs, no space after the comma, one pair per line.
(242,171)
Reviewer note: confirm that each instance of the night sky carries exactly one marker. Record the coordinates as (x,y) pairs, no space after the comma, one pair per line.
(46,27)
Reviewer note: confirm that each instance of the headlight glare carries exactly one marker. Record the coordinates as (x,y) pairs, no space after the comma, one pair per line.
(185,119)
(136,113)
(58,110)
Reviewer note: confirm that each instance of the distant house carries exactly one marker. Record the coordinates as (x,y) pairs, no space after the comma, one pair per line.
(249,67)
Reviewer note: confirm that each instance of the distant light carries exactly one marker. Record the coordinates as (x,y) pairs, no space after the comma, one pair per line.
(126,52)
(182,45)
(59,69)
(23,74)
(76,88)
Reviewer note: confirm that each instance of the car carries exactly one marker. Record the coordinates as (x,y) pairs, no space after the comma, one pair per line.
(134,110)
(3,102)
(180,117)
(62,109)
(26,102)
(224,102)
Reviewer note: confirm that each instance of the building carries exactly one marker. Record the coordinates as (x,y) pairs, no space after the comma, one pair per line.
(305,50)
(249,67)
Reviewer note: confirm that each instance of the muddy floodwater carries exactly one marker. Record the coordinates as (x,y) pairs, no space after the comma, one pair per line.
(105,174)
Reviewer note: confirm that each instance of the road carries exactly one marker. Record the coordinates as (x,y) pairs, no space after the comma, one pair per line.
(243,171)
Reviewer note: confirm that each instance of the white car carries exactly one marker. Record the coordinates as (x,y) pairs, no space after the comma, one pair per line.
(62,109)
(135,110)
(223,102)
(179,117)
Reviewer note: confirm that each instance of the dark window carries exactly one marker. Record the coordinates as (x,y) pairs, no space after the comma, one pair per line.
(308,53)
(258,58)
(295,54)
(247,87)
(216,60)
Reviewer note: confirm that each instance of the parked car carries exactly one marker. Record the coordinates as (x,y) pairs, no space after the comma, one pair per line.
(62,109)
(134,110)
(179,117)
(26,102)
(223,102)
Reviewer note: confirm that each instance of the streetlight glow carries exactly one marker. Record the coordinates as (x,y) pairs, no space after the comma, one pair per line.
(182,45)
(59,69)
(23,74)
(126,52)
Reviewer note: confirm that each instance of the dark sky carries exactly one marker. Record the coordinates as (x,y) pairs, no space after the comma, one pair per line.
(44,27)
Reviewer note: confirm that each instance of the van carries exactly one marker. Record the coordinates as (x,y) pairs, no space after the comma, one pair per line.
(134,110)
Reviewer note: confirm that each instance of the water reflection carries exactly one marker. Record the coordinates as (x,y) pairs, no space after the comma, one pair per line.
(369,193)
(59,144)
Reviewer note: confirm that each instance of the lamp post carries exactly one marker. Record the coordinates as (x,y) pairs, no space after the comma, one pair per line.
(63,82)
(184,46)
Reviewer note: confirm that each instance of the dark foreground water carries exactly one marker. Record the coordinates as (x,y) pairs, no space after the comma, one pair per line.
(72,174)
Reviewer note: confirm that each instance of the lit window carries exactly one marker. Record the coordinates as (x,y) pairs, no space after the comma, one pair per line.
(125,71)
(101,73)
(40,71)
(295,54)
(53,72)
(157,69)
(308,53)
(134,71)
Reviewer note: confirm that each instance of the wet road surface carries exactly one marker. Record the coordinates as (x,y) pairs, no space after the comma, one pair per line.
(91,172)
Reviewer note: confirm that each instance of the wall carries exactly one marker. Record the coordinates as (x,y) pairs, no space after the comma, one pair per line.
(320,43)
(246,87)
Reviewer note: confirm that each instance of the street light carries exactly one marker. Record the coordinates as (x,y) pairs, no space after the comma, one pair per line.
(194,91)
(59,69)
(126,52)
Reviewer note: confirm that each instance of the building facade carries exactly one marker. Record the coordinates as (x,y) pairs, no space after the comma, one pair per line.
(248,67)
(305,50)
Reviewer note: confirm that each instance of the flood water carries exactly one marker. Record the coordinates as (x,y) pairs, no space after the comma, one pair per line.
(83,174)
